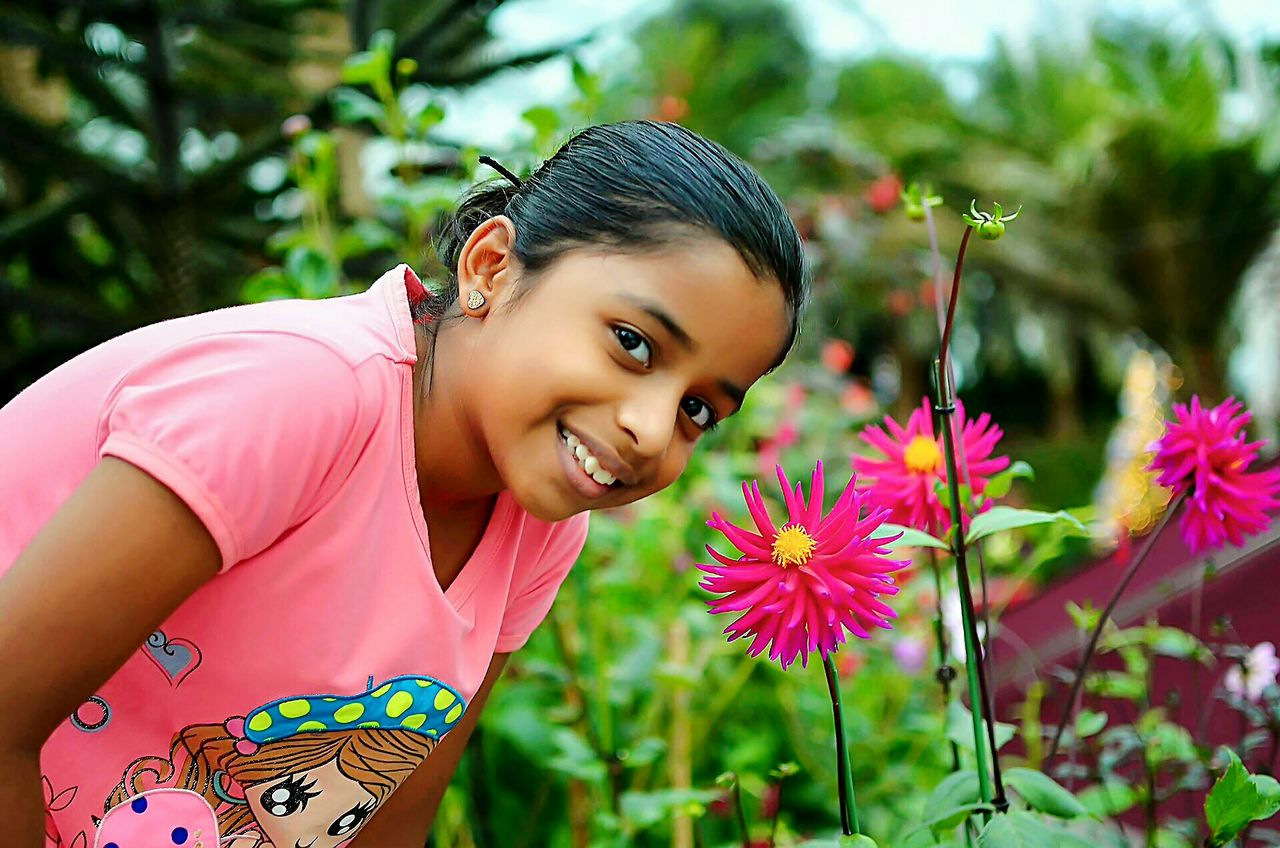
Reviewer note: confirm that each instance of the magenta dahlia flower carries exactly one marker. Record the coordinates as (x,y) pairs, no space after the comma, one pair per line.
(905,479)
(799,587)
(1203,454)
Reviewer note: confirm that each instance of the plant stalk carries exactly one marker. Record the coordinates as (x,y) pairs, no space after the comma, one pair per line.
(944,320)
(1092,647)
(848,804)
(979,699)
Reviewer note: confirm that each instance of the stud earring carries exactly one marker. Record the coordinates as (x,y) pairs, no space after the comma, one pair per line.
(475,299)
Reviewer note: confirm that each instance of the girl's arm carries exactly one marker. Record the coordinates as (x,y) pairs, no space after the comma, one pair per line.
(110,565)
(406,819)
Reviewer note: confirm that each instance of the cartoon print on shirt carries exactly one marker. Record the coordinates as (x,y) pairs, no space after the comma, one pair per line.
(308,770)
(91,716)
(177,658)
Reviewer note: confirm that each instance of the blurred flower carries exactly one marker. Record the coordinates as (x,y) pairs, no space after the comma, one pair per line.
(769,800)
(1258,672)
(910,653)
(858,400)
(928,296)
(904,480)
(884,193)
(295,125)
(799,587)
(837,356)
(953,621)
(849,663)
(769,451)
(901,302)
(1203,453)
(671,108)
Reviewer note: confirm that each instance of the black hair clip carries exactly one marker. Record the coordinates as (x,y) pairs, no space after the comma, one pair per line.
(492,163)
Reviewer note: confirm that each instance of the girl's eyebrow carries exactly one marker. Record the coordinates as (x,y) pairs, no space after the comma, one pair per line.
(663,317)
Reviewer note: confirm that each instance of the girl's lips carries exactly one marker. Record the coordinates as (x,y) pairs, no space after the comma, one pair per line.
(579,479)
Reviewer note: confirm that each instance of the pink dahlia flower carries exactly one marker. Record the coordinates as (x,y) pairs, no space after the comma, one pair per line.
(913,463)
(1204,455)
(799,587)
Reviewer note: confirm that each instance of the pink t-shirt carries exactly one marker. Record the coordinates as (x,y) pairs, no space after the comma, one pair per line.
(298,688)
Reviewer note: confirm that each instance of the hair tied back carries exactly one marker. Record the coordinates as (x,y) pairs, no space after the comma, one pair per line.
(495,165)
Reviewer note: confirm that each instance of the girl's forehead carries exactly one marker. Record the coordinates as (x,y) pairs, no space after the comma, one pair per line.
(704,288)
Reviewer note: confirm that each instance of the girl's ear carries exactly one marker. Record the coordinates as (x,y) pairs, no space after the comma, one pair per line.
(487,264)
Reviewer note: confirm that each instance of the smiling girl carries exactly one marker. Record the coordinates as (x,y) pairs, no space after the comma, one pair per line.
(264,504)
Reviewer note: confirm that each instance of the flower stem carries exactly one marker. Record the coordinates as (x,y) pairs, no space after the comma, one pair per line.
(1092,646)
(979,697)
(741,814)
(955,295)
(848,804)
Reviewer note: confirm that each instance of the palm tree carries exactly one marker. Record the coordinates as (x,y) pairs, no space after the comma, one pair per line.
(129,131)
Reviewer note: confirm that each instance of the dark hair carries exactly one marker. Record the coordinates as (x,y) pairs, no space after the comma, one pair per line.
(636,185)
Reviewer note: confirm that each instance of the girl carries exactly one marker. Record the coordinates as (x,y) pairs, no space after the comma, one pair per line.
(262,504)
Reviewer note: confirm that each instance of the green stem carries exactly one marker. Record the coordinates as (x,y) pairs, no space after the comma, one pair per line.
(741,814)
(848,804)
(1106,615)
(979,704)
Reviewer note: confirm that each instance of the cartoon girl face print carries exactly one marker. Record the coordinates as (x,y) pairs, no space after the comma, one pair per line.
(306,772)
(319,808)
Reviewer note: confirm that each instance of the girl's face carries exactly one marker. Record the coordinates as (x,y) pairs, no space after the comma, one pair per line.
(615,366)
(318,808)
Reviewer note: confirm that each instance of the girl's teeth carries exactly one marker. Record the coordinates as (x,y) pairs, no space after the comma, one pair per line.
(587,462)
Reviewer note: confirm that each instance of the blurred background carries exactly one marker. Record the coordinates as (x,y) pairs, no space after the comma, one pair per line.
(162,158)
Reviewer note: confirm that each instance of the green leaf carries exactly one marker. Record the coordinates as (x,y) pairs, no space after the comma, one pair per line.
(1111,798)
(911,538)
(1089,723)
(1042,793)
(960,728)
(1237,799)
(857,841)
(352,107)
(1001,518)
(313,273)
(1085,618)
(645,809)
(999,485)
(946,819)
(955,790)
(1016,830)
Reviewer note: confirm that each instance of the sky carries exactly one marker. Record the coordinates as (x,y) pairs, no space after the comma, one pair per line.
(956,30)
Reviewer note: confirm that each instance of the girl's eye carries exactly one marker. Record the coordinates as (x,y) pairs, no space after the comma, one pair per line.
(634,344)
(699,412)
(288,796)
(351,819)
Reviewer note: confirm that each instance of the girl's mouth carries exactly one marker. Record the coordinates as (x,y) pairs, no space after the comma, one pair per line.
(582,468)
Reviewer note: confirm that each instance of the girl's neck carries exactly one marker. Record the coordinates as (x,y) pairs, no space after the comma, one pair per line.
(454,471)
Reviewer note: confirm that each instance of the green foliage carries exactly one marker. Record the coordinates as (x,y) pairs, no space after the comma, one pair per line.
(1043,794)
(1237,799)
(1001,518)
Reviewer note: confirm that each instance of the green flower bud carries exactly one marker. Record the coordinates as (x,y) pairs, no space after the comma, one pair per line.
(990,225)
(917,198)
(406,67)
(990,230)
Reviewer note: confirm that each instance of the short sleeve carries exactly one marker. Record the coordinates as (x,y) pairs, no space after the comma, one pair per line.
(529,604)
(251,430)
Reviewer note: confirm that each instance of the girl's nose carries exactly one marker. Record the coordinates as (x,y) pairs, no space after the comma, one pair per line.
(649,418)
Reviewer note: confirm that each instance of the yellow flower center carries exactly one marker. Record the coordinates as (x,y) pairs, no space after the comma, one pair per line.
(922,455)
(793,546)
